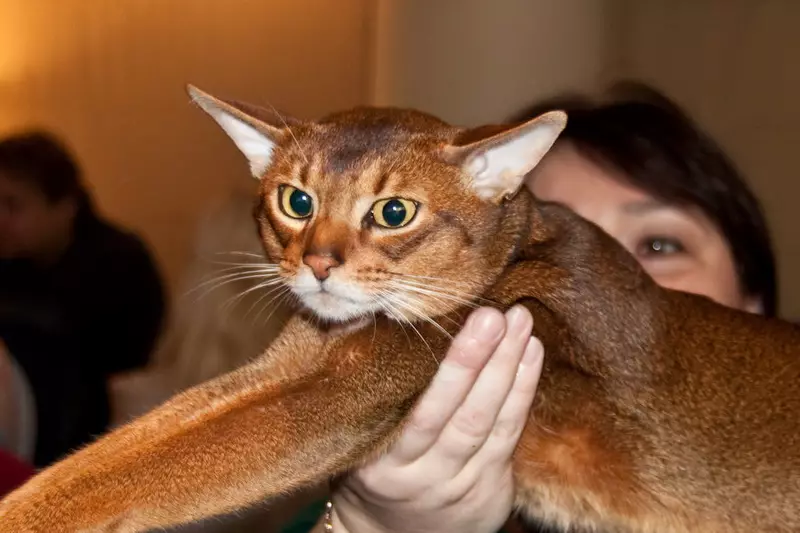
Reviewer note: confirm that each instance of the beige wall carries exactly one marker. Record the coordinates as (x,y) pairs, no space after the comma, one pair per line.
(475,61)
(110,76)
(733,64)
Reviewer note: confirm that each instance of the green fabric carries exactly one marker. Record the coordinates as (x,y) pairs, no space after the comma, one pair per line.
(308,518)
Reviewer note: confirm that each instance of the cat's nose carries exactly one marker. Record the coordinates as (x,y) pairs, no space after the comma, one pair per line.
(321,264)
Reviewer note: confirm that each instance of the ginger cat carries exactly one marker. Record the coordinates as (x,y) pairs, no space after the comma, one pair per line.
(657,411)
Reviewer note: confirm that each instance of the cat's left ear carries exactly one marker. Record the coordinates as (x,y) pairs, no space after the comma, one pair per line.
(497,165)
(255,131)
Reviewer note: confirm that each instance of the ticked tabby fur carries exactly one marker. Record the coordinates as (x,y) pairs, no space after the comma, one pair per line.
(657,411)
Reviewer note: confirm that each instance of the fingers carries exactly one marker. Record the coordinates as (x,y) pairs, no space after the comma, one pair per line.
(515,411)
(469,352)
(475,420)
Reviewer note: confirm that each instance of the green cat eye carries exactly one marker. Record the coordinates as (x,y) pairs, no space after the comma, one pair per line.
(393,212)
(294,202)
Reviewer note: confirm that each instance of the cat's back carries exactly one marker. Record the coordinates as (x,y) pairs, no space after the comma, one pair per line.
(739,346)
(727,403)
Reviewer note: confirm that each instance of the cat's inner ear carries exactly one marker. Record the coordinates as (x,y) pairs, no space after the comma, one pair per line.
(497,165)
(255,137)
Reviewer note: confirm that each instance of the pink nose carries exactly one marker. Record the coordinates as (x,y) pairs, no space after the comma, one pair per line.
(321,265)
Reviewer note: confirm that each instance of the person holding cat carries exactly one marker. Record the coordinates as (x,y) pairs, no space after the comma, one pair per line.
(639,168)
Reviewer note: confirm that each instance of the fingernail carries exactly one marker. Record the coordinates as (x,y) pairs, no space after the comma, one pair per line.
(487,326)
(516,317)
(533,352)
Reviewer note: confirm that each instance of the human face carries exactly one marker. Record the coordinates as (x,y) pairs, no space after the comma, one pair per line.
(678,246)
(30,225)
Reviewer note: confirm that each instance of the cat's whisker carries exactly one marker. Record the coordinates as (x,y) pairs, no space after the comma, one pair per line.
(276,302)
(416,330)
(450,301)
(439,287)
(286,125)
(244,266)
(223,275)
(374,329)
(225,280)
(266,294)
(247,254)
(235,299)
(388,308)
(434,278)
(444,301)
(399,301)
(269,282)
(434,293)
(222,278)
(412,305)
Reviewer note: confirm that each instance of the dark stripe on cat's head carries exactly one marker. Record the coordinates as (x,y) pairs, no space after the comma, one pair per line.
(410,245)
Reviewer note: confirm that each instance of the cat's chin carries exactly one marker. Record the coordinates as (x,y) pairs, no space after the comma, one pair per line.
(336,309)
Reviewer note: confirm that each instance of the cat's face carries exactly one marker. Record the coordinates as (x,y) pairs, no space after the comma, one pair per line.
(384,211)
(372,234)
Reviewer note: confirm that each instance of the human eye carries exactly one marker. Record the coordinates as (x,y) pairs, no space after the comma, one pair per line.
(659,246)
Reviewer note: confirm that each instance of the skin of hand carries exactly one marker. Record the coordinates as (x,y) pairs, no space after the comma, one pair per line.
(450,470)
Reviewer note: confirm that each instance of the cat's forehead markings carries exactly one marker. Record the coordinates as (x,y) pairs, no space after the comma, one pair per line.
(353,137)
(383,179)
(314,169)
(299,172)
(375,173)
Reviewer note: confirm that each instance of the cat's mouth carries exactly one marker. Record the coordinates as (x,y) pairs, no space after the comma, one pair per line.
(325,292)
(334,301)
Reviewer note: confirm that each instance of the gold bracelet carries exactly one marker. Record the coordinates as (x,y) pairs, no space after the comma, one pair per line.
(327,523)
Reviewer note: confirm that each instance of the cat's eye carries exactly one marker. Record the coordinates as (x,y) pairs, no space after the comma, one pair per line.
(393,212)
(294,202)
(659,246)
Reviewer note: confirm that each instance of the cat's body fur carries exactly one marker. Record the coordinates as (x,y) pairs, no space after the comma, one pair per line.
(656,412)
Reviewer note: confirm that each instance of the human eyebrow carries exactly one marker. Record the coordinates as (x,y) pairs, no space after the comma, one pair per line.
(643,207)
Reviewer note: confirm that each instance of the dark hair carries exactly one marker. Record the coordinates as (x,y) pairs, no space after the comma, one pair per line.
(657,148)
(38,158)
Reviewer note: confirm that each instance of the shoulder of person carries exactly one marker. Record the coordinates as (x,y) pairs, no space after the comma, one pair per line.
(114,242)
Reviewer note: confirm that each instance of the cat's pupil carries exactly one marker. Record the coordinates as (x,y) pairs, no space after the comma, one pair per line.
(394,212)
(300,203)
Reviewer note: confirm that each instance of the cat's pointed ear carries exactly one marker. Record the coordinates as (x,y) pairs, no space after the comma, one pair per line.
(497,164)
(253,130)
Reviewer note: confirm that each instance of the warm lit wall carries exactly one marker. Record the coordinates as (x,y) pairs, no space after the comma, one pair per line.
(733,64)
(110,76)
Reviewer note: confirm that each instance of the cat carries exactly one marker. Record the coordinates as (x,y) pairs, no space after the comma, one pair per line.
(657,411)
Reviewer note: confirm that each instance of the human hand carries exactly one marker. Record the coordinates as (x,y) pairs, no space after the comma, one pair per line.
(450,470)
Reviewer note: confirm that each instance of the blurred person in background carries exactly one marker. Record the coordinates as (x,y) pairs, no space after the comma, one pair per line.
(81,300)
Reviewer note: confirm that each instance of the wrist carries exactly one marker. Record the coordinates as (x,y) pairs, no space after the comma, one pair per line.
(349,515)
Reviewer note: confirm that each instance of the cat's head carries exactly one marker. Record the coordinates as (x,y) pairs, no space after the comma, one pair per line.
(385,210)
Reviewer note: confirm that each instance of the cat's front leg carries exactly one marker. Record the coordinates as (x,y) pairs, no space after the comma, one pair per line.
(234,449)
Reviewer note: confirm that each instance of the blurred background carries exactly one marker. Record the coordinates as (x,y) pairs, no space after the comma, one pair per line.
(109,77)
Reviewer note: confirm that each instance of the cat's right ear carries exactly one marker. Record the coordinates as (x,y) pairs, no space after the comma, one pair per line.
(254,135)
